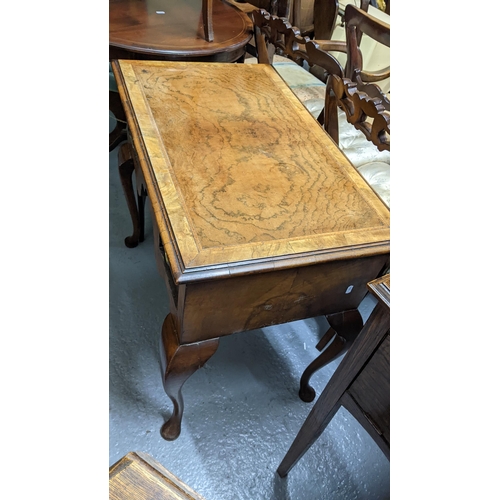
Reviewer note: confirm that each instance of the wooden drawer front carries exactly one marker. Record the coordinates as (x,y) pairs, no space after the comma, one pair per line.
(371,391)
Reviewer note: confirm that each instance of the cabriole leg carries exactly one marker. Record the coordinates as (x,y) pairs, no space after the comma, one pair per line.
(179,362)
(346,325)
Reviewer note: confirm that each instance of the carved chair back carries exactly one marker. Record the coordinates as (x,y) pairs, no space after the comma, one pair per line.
(358,23)
(366,107)
(276,35)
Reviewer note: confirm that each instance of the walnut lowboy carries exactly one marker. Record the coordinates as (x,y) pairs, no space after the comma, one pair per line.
(259,218)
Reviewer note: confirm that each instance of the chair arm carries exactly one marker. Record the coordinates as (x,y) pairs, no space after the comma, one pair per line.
(375,76)
(332,45)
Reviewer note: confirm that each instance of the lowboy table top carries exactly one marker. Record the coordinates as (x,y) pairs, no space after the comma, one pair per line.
(241,177)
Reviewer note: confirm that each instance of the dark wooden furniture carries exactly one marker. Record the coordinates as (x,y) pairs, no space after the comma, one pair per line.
(182,30)
(258,218)
(356,92)
(360,384)
(281,8)
(138,476)
(325,16)
(138,31)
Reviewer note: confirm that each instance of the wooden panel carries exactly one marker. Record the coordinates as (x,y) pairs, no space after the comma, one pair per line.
(238,170)
(371,389)
(220,307)
(137,476)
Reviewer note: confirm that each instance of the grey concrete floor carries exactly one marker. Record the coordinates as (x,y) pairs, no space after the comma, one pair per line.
(242,410)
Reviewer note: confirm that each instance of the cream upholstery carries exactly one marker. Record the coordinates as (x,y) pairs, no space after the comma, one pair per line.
(373,165)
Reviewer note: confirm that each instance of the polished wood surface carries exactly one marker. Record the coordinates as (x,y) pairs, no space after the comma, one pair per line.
(138,476)
(138,31)
(381,288)
(258,218)
(360,384)
(238,181)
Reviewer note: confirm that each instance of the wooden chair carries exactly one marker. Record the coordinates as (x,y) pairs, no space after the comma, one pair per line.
(324,21)
(332,28)
(366,106)
(360,384)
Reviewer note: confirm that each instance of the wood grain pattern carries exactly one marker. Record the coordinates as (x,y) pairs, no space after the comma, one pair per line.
(374,380)
(381,288)
(137,476)
(241,171)
(136,28)
(272,298)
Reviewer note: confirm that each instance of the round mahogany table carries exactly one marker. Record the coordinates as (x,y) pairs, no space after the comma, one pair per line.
(173,30)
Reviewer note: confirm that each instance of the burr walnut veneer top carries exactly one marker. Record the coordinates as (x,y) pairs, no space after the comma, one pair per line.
(241,177)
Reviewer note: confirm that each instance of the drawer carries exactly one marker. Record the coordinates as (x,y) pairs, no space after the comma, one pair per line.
(371,390)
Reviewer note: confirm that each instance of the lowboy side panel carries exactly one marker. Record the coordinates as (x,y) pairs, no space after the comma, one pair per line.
(221,307)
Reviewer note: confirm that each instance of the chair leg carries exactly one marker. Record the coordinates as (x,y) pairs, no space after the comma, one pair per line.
(315,423)
(344,328)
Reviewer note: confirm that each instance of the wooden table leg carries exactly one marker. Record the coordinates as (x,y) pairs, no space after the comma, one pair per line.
(119,133)
(126,169)
(179,362)
(345,326)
